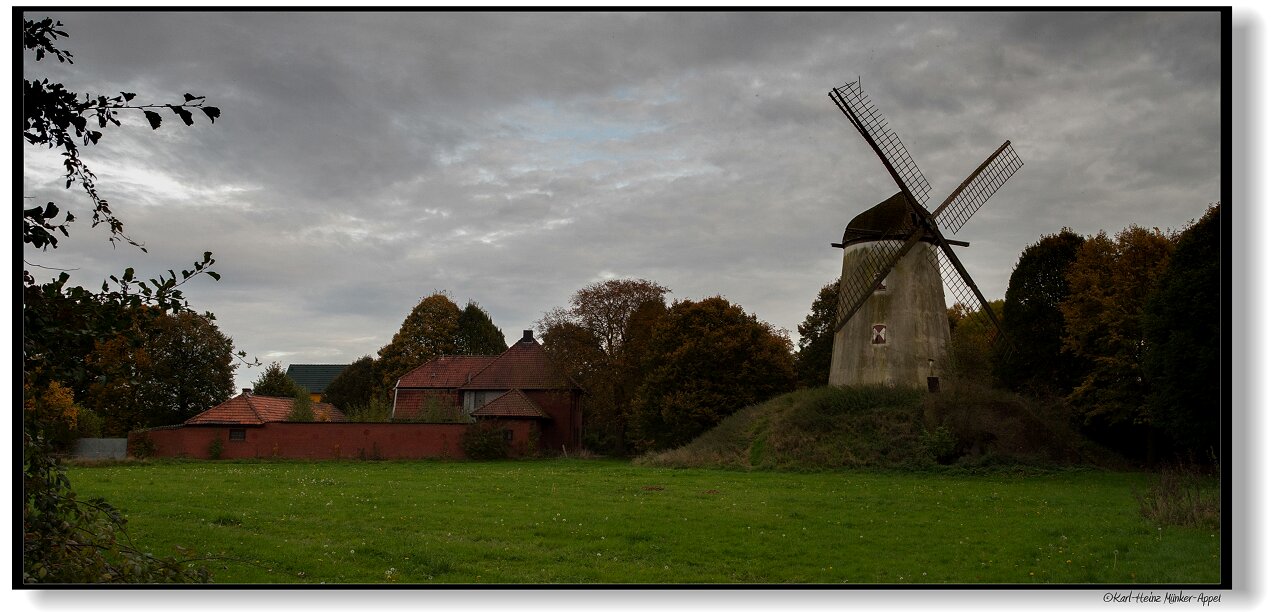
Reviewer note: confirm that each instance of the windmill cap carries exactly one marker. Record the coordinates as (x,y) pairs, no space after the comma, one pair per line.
(888,220)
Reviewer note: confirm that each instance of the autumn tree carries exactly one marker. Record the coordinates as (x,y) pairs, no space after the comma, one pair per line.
(972,350)
(300,411)
(273,382)
(1033,325)
(817,335)
(66,539)
(1182,327)
(709,359)
(353,387)
(589,340)
(1110,281)
(429,331)
(172,367)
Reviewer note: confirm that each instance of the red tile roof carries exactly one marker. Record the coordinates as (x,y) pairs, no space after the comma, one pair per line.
(523,366)
(513,403)
(249,409)
(445,372)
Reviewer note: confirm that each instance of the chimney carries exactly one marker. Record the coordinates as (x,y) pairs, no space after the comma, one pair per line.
(528,336)
(246,391)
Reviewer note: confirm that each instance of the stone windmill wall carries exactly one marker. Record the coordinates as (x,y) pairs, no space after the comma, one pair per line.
(891,339)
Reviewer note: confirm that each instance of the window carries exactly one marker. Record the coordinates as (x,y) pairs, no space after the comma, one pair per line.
(508,435)
(237,435)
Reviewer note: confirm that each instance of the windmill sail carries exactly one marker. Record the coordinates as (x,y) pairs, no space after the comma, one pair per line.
(857,107)
(981,184)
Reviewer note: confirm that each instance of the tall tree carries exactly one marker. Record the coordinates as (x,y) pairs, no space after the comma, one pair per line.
(1182,325)
(353,387)
(590,339)
(1033,325)
(709,359)
(273,382)
(429,331)
(1110,281)
(168,370)
(477,335)
(817,335)
(65,539)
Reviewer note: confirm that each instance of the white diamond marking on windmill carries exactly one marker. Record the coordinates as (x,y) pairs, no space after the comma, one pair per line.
(897,243)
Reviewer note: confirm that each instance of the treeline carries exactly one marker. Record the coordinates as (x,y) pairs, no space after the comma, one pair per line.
(659,374)
(1128,329)
(1124,329)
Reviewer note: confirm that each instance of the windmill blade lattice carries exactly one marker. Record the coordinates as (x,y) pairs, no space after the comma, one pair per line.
(858,284)
(857,107)
(960,206)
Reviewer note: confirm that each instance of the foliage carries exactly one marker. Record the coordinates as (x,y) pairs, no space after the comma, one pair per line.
(165,369)
(54,405)
(1182,327)
(374,410)
(273,382)
(70,541)
(54,117)
(429,331)
(940,444)
(971,354)
(141,446)
(65,539)
(1110,281)
(485,440)
(301,411)
(817,334)
(353,386)
(541,522)
(477,335)
(709,359)
(435,410)
(215,447)
(1033,325)
(600,341)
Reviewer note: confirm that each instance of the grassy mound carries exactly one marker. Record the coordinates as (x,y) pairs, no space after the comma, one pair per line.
(884,427)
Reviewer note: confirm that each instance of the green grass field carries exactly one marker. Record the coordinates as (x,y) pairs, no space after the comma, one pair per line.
(595,521)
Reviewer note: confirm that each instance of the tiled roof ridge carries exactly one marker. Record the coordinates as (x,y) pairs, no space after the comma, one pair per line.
(531,342)
(248,398)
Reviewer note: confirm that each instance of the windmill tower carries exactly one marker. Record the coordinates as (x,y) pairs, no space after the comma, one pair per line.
(891,319)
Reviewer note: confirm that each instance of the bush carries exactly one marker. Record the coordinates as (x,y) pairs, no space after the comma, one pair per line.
(940,444)
(141,446)
(215,448)
(484,440)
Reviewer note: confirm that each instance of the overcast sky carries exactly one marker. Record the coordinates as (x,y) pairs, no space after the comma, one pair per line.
(365,160)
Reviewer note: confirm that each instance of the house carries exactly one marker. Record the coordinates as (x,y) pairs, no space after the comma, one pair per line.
(314,377)
(521,387)
(520,392)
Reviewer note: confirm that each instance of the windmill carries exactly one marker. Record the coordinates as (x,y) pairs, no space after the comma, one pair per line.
(891,320)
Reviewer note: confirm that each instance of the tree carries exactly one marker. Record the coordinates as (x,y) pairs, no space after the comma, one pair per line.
(1110,281)
(709,359)
(1033,325)
(301,410)
(353,387)
(65,539)
(1182,326)
(273,382)
(168,369)
(477,335)
(817,335)
(429,331)
(589,340)
(972,350)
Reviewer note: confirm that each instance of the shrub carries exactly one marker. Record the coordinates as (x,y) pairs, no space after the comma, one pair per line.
(215,448)
(485,440)
(142,446)
(940,444)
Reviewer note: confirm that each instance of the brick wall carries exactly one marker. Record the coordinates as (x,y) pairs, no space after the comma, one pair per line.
(327,440)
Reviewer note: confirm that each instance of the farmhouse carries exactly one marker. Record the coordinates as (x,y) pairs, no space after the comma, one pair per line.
(521,392)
